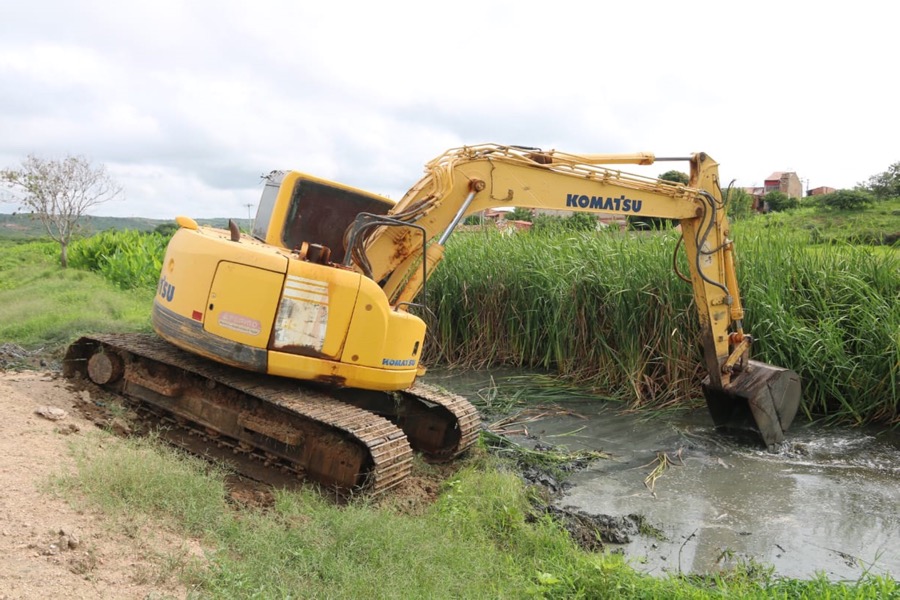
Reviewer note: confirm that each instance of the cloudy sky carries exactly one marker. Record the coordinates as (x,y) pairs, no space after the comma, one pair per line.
(188,102)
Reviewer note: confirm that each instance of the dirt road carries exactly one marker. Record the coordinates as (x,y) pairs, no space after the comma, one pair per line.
(49,548)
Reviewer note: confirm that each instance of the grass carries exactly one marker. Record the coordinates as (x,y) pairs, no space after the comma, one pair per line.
(45,306)
(481,539)
(560,301)
(877,225)
(833,314)
(504,393)
(605,310)
(553,460)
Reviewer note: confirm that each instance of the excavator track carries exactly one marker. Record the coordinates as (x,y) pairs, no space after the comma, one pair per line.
(290,429)
(466,416)
(439,424)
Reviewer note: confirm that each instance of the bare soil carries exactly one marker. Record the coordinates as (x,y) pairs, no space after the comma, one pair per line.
(50,548)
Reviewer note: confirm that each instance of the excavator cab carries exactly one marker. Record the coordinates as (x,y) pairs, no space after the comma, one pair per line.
(312,211)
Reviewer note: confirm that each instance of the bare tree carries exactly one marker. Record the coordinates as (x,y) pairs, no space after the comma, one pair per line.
(59,192)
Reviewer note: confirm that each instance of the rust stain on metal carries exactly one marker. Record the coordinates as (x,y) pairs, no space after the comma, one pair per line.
(403,245)
(303,351)
(335,380)
(274,429)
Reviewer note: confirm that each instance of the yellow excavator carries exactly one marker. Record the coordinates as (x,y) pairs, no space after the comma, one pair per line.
(293,350)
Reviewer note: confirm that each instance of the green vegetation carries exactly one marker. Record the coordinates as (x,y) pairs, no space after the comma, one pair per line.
(606,310)
(644,223)
(676,176)
(739,203)
(58,192)
(846,200)
(45,306)
(559,300)
(602,309)
(520,214)
(19,228)
(129,259)
(482,538)
(573,222)
(878,224)
(885,185)
(779,201)
(832,313)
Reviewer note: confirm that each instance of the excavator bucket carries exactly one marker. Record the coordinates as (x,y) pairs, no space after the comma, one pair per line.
(763,398)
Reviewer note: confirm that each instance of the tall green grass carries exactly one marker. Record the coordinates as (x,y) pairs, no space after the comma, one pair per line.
(832,313)
(603,309)
(606,309)
(483,538)
(130,259)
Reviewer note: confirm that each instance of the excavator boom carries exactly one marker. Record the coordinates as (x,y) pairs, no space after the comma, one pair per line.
(739,391)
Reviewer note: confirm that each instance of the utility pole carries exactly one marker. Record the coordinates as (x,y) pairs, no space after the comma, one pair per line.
(249,206)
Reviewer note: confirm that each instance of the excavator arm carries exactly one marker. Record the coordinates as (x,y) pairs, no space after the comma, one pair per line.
(401,249)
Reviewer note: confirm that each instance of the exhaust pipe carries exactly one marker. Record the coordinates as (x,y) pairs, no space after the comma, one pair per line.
(762,398)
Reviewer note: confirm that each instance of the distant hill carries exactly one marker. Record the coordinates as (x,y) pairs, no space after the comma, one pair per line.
(24,227)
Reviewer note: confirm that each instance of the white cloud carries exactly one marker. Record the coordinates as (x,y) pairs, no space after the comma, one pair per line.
(188,103)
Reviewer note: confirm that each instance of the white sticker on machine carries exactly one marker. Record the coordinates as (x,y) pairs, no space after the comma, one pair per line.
(302,318)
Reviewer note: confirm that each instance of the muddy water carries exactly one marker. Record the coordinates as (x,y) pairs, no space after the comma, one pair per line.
(828,502)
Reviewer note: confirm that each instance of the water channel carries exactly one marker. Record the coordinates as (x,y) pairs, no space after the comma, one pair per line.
(828,502)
